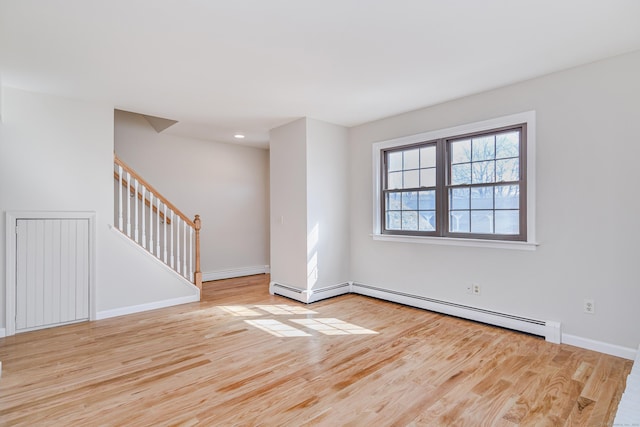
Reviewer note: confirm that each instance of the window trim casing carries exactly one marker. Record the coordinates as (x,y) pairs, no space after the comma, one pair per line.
(528,117)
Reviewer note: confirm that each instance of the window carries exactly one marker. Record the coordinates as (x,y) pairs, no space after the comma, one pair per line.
(469,182)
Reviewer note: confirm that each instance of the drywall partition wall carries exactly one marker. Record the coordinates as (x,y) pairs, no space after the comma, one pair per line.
(288,181)
(56,154)
(587,212)
(50,157)
(135,281)
(309,205)
(327,205)
(227,185)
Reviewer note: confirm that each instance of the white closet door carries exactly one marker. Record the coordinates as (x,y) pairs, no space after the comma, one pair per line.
(52,272)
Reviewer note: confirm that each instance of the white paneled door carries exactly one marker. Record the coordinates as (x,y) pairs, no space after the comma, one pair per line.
(52,272)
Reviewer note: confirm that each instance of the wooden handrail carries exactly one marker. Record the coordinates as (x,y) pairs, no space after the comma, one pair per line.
(163,199)
(132,189)
(195,225)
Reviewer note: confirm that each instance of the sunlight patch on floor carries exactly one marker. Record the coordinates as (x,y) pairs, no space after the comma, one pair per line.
(285,309)
(324,325)
(239,310)
(257,310)
(277,328)
(332,326)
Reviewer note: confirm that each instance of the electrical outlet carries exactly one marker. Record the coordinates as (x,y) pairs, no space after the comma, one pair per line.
(475,289)
(589,306)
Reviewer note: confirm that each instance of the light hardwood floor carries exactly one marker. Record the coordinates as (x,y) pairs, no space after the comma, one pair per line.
(202,363)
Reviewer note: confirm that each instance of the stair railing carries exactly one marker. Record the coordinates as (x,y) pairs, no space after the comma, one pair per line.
(154,223)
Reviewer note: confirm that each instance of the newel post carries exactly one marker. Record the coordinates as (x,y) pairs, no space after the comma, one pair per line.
(197,275)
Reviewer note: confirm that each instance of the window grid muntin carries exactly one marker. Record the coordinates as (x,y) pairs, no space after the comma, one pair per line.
(520,130)
(405,212)
(470,209)
(387,191)
(443,174)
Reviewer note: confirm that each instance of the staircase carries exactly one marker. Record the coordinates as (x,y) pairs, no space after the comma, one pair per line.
(628,413)
(155,224)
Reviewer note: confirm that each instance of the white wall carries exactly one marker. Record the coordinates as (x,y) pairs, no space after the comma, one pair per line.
(227,185)
(288,153)
(327,204)
(56,154)
(309,204)
(587,206)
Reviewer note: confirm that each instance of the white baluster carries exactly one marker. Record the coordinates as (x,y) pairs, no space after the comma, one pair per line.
(184,249)
(128,204)
(150,222)
(120,226)
(177,268)
(135,227)
(172,226)
(190,254)
(158,229)
(165,233)
(144,218)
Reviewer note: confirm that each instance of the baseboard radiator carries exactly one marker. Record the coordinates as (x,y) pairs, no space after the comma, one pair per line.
(550,330)
(628,413)
(308,296)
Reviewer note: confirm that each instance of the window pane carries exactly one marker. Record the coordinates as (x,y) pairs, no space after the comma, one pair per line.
(393,220)
(507,145)
(483,148)
(461,174)
(459,222)
(427,177)
(482,222)
(482,175)
(508,222)
(394,161)
(394,201)
(394,181)
(410,220)
(507,197)
(427,200)
(410,200)
(483,172)
(411,159)
(411,179)
(427,220)
(482,198)
(461,151)
(507,170)
(459,198)
(428,157)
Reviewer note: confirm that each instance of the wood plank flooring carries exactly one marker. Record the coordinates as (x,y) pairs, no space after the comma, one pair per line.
(203,364)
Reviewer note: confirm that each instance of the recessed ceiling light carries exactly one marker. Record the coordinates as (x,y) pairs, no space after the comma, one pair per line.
(238,136)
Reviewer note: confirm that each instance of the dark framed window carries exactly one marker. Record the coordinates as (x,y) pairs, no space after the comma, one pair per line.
(463,186)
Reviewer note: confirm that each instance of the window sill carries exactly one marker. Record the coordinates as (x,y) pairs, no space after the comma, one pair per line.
(449,241)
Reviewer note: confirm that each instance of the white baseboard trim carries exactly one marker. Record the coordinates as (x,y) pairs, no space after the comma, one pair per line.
(551,330)
(235,272)
(105,314)
(599,346)
(3,332)
(329,292)
(307,296)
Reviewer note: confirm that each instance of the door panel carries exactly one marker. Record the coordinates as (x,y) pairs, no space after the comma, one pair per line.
(52,272)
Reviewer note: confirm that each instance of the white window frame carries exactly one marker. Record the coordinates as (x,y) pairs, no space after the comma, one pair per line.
(528,117)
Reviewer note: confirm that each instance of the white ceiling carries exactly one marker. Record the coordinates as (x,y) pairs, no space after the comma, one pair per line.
(226,66)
